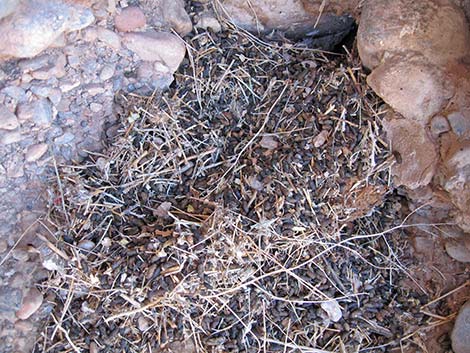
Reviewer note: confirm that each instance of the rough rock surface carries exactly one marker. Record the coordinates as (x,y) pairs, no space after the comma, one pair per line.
(157,46)
(418,155)
(37,24)
(130,19)
(460,334)
(412,87)
(436,29)
(419,52)
(294,16)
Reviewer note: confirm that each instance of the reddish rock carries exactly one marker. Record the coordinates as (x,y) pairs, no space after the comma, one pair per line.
(31,303)
(418,157)
(438,30)
(291,15)
(130,19)
(157,46)
(412,86)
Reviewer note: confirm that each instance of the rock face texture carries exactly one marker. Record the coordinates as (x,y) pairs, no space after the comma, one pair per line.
(460,334)
(297,18)
(36,24)
(419,54)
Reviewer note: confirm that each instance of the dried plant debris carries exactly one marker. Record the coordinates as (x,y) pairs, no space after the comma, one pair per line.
(248,209)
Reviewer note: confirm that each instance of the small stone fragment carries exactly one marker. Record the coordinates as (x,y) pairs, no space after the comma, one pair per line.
(320,139)
(175,15)
(460,334)
(162,210)
(35,152)
(109,38)
(208,21)
(439,125)
(96,107)
(10,137)
(459,123)
(8,120)
(333,310)
(130,19)
(107,72)
(93,348)
(268,142)
(254,183)
(143,323)
(86,245)
(31,303)
(157,46)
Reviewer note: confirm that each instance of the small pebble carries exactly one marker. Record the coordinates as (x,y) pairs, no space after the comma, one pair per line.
(107,72)
(31,303)
(35,152)
(95,107)
(8,120)
(130,19)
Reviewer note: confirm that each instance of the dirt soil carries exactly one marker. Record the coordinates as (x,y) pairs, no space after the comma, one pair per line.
(248,209)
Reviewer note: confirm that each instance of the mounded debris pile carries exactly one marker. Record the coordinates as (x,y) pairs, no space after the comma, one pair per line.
(246,209)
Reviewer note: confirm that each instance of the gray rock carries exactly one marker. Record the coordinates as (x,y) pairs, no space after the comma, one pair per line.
(65,138)
(7,138)
(34,64)
(439,125)
(39,112)
(109,38)
(38,25)
(175,15)
(54,94)
(8,120)
(10,299)
(7,7)
(461,332)
(107,72)
(459,124)
(15,92)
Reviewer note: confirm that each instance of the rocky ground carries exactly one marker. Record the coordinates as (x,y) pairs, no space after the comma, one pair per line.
(78,102)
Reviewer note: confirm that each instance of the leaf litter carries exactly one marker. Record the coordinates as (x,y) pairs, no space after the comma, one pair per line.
(247,209)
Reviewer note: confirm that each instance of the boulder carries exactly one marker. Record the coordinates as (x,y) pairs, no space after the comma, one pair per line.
(37,24)
(411,86)
(438,30)
(296,17)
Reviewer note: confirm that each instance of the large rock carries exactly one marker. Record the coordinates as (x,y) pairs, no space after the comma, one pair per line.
(418,157)
(437,29)
(461,332)
(157,46)
(37,24)
(412,86)
(7,7)
(296,17)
